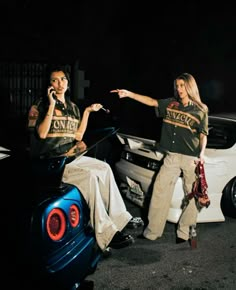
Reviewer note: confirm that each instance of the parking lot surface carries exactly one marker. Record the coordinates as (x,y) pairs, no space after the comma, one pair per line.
(162,264)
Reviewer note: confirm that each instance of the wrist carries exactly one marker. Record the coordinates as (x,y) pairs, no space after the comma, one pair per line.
(131,95)
(88,110)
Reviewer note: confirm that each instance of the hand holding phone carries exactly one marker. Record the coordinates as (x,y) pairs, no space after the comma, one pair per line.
(51,92)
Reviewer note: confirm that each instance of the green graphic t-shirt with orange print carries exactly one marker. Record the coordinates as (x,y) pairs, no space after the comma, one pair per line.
(61,135)
(182,126)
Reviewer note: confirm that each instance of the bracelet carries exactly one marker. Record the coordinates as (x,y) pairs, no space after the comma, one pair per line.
(48,115)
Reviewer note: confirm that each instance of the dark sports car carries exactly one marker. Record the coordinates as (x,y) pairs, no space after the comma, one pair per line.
(50,243)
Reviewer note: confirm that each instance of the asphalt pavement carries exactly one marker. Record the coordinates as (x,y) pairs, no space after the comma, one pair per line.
(165,265)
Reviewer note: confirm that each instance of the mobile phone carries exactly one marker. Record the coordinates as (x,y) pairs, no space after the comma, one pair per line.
(52,90)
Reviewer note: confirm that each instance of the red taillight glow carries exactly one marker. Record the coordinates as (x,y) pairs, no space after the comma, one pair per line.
(56,224)
(74,217)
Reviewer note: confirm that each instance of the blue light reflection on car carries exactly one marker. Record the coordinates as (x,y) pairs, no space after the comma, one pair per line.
(50,236)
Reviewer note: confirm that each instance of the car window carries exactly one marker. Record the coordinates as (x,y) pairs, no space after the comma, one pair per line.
(221,134)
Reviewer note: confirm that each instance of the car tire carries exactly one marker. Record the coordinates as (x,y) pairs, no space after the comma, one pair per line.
(228,201)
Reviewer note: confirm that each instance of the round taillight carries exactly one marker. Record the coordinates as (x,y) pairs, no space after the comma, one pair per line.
(74,216)
(56,224)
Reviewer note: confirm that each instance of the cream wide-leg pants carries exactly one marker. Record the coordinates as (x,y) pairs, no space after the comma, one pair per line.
(162,194)
(95,180)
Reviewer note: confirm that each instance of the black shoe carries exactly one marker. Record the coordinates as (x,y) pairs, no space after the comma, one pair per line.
(121,240)
(135,223)
(180,241)
(106,253)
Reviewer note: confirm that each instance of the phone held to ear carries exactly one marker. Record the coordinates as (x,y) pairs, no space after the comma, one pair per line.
(53,91)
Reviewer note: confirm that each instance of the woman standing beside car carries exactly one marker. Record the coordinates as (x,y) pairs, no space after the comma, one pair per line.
(183,139)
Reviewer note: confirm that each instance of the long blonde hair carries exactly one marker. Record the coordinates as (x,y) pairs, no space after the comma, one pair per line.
(192,90)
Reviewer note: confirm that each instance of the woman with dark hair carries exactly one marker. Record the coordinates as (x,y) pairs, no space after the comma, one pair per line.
(183,139)
(58,123)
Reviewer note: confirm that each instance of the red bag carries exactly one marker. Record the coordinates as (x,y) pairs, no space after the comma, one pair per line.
(199,191)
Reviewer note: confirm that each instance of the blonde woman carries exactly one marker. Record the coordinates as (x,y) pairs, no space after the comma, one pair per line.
(183,139)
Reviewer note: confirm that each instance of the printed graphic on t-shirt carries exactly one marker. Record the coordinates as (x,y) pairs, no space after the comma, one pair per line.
(63,126)
(181,119)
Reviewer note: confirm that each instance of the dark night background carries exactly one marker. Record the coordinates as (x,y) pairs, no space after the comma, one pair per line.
(138,45)
(125,44)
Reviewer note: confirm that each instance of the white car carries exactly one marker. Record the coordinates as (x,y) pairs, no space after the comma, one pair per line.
(140,162)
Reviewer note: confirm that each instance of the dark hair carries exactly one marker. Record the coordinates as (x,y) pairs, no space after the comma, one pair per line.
(55,68)
(48,72)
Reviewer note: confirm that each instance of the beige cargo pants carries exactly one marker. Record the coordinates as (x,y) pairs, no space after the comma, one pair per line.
(162,194)
(96,182)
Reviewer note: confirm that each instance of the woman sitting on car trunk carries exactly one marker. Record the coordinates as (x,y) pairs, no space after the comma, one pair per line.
(58,123)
